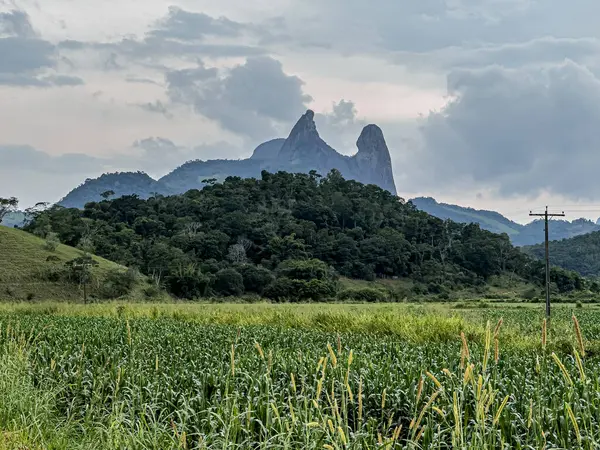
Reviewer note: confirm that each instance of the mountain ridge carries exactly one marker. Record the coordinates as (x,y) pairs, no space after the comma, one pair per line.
(301,152)
(520,235)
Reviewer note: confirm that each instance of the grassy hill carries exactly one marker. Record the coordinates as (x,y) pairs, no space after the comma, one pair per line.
(28,271)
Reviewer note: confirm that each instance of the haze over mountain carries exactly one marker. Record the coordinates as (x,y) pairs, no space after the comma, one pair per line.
(520,235)
(303,151)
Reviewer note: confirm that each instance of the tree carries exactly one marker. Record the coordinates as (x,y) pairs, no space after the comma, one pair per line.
(107,194)
(81,271)
(229,282)
(7,205)
(34,212)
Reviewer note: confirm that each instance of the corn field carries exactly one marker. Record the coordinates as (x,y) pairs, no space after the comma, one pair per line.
(168,383)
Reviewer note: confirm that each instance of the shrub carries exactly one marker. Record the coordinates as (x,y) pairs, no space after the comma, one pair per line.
(309,269)
(419,289)
(256,278)
(228,282)
(282,289)
(188,282)
(365,294)
(296,290)
(30,296)
(118,283)
(152,291)
(578,304)
(317,290)
(54,274)
(530,293)
(52,241)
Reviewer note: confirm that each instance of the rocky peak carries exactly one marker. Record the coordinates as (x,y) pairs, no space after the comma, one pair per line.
(373,158)
(268,150)
(303,136)
(305,127)
(371,141)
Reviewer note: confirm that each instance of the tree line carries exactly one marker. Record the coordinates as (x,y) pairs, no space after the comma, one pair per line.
(289,236)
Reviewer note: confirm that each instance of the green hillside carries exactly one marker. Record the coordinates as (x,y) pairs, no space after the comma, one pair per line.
(488,220)
(28,271)
(580,253)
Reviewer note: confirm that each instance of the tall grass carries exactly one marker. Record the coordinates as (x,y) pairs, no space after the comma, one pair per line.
(166,383)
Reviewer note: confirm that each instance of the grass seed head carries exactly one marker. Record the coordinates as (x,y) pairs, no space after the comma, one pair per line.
(579,336)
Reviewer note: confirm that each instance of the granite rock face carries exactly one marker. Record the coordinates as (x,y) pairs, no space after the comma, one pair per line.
(374,160)
(303,150)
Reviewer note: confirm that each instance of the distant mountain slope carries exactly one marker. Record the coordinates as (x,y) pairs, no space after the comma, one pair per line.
(121,183)
(488,220)
(579,253)
(520,235)
(13,219)
(29,271)
(302,152)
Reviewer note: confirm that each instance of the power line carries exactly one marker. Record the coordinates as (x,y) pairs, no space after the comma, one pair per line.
(546,215)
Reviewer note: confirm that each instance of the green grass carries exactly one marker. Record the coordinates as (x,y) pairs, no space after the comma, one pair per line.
(24,263)
(169,376)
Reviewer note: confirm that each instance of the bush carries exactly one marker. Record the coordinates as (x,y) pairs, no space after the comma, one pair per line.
(317,290)
(365,294)
(228,282)
(152,291)
(118,283)
(530,293)
(52,242)
(296,290)
(309,269)
(188,283)
(54,274)
(282,289)
(256,278)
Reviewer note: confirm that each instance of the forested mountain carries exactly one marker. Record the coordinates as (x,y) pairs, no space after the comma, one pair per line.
(520,235)
(302,152)
(580,253)
(488,220)
(120,183)
(288,236)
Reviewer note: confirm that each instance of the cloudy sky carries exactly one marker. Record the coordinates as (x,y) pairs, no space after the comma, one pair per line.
(485,103)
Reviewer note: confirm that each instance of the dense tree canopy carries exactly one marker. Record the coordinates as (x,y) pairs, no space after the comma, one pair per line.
(580,253)
(293,232)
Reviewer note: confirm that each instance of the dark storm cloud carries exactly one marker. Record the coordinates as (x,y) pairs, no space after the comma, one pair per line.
(25,59)
(521,131)
(248,99)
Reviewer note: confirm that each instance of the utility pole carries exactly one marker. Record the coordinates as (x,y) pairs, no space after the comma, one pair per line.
(545,215)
